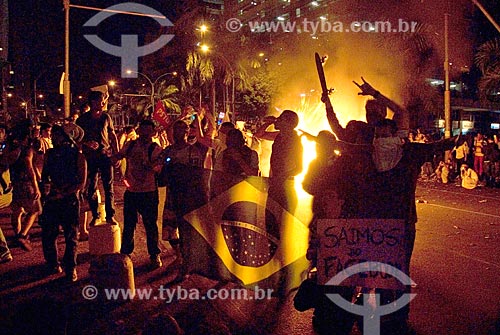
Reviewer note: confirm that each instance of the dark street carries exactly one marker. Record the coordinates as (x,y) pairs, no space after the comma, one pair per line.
(455,266)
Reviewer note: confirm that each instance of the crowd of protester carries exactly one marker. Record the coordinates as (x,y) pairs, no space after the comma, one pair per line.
(474,161)
(54,172)
(29,149)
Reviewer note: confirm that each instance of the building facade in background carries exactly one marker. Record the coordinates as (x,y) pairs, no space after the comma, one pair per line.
(277,10)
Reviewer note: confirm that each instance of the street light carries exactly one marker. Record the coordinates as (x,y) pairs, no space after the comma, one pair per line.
(24,104)
(203,28)
(152,83)
(204,48)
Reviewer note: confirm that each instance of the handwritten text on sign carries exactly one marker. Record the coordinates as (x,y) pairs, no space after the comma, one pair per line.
(347,242)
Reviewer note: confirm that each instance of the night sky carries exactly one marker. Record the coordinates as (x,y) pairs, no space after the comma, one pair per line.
(37,41)
(37,35)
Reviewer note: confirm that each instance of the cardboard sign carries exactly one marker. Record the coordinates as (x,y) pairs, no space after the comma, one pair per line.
(348,242)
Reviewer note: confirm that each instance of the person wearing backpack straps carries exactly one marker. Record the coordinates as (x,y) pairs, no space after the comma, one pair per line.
(141,196)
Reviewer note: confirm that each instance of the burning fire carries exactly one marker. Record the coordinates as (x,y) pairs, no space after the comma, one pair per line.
(311,120)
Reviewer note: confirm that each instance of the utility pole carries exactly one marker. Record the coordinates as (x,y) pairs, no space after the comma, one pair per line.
(488,16)
(66,82)
(447,96)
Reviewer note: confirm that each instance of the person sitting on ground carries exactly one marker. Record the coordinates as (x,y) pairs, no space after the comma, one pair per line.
(469,177)
(442,172)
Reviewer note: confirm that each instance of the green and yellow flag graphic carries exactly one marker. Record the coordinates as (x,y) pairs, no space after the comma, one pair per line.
(241,234)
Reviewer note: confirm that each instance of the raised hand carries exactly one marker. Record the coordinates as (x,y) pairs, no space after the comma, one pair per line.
(366,88)
(325,98)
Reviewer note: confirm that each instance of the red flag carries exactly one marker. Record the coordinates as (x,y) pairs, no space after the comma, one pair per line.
(160,115)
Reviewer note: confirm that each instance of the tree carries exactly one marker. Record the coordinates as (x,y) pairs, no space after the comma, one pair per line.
(199,72)
(487,59)
(168,95)
(256,100)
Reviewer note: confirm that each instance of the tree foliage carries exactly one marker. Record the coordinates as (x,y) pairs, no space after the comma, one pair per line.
(256,99)
(487,59)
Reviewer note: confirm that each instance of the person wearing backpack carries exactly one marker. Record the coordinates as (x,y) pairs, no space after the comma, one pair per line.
(141,196)
(64,175)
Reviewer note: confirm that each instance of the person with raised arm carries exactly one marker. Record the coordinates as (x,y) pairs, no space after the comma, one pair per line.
(286,157)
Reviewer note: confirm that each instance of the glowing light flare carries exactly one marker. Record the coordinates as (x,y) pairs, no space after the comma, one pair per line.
(204,48)
(313,120)
(203,28)
(309,154)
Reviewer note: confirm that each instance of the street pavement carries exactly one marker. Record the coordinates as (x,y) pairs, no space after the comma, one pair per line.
(455,265)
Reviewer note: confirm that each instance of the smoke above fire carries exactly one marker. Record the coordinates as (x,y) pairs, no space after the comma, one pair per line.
(390,62)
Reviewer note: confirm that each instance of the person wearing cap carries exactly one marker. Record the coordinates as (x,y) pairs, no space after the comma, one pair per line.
(64,175)
(98,145)
(286,157)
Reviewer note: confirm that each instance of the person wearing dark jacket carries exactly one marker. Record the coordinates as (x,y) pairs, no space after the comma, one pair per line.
(64,176)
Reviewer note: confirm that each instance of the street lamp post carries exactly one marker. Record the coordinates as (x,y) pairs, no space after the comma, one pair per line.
(152,83)
(24,104)
(66,82)
(447,96)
